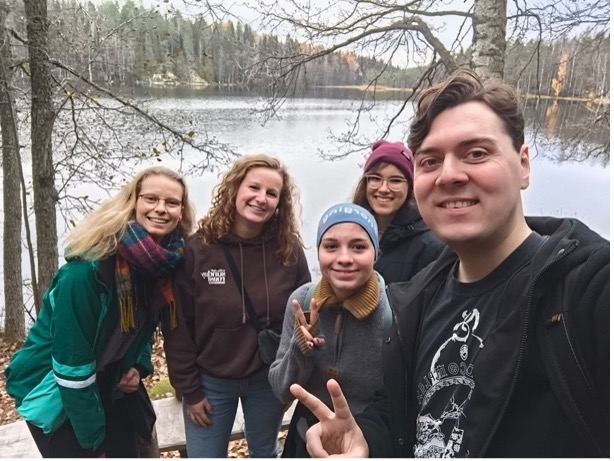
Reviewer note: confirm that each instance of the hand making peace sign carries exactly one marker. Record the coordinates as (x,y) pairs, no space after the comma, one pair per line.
(308,326)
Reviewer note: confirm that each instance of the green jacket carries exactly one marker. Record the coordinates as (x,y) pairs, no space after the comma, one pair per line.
(53,376)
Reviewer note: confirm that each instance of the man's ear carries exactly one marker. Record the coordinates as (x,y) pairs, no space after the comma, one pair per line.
(525,165)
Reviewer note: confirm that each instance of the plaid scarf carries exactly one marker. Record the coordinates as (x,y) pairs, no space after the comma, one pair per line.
(140,257)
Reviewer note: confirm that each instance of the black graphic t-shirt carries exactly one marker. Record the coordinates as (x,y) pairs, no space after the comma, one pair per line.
(468,325)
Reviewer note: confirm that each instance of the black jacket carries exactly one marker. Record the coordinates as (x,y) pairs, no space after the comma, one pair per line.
(406,247)
(570,269)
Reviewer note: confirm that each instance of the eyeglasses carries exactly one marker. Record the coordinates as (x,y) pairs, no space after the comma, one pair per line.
(153,200)
(395,183)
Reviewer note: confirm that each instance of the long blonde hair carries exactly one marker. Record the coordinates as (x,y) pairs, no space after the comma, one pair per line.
(98,235)
(219,219)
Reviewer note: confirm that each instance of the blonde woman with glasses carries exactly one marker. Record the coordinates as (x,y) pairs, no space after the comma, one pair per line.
(77,379)
(386,189)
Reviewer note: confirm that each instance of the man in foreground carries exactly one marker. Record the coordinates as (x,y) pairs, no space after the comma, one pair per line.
(501,346)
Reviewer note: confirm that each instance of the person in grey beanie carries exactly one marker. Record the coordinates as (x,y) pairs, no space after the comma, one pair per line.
(407,245)
(341,334)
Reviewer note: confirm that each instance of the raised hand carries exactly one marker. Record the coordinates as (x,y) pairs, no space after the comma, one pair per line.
(337,434)
(308,327)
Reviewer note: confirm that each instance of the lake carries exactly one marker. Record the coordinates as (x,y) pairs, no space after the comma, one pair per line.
(302,134)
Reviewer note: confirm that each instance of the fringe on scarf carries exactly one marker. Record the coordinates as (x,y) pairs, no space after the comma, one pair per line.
(125,295)
(127,320)
(138,249)
(128,305)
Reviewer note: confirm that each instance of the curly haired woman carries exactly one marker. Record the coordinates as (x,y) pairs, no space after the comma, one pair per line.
(213,356)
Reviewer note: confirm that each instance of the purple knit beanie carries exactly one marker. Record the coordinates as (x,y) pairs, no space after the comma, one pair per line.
(396,153)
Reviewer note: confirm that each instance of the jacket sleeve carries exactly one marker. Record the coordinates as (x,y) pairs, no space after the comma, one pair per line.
(143,362)
(602,320)
(386,436)
(388,422)
(291,365)
(77,301)
(591,298)
(374,424)
(179,344)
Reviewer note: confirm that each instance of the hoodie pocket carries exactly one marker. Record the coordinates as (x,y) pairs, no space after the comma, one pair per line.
(232,353)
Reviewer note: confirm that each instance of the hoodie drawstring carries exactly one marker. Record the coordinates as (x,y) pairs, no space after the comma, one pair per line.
(244,319)
(266,286)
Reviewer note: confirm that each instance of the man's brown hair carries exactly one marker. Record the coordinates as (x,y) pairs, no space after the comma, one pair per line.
(461,87)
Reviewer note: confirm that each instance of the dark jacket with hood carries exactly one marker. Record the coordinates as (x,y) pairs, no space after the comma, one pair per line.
(406,247)
(571,270)
(214,333)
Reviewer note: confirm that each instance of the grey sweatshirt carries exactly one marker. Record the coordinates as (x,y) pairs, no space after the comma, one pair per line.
(355,353)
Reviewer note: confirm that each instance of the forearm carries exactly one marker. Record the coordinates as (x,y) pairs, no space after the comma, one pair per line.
(183,370)
(143,363)
(179,343)
(292,364)
(76,317)
(294,367)
(374,424)
(84,410)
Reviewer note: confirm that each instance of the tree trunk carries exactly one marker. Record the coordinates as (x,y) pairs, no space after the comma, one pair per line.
(489,26)
(14,325)
(44,192)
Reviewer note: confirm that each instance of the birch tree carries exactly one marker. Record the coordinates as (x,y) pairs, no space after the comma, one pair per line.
(438,36)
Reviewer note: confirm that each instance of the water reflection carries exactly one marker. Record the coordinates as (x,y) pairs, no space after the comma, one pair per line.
(559,185)
(302,135)
(575,130)
(551,119)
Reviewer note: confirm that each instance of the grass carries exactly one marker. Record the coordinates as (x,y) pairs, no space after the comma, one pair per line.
(161,390)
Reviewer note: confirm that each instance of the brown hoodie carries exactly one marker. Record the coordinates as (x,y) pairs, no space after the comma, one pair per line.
(214,333)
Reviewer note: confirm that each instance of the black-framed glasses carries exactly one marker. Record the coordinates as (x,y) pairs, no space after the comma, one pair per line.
(153,200)
(395,183)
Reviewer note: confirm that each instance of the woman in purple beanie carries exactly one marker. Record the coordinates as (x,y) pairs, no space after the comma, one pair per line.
(386,189)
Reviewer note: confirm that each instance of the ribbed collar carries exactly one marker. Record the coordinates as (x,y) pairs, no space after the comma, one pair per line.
(361,304)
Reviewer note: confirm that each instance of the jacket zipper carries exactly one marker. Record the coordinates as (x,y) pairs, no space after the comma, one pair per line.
(525,326)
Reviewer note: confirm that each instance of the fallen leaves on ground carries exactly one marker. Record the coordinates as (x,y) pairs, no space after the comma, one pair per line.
(8,414)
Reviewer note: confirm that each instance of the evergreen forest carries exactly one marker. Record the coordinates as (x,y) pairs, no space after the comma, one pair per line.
(126,44)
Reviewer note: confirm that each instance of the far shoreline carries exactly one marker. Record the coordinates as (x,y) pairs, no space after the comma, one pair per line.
(384,89)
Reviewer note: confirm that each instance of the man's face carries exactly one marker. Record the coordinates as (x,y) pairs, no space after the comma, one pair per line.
(468,178)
